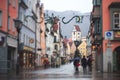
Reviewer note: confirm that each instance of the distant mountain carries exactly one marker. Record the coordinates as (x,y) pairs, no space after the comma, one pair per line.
(67,28)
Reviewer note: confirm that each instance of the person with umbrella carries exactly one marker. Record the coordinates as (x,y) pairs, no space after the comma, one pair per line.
(76,63)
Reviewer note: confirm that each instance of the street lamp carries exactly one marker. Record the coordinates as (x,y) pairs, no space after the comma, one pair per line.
(77,43)
(18,25)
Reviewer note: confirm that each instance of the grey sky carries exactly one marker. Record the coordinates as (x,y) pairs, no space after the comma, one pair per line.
(62,5)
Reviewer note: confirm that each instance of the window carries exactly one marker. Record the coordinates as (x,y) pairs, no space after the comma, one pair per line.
(98,26)
(0,18)
(14,3)
(55,39)
(13,26)
(116,20)
(27,40)
(8,22)
(56,47)
(74,33)
(24,39)
(9,1)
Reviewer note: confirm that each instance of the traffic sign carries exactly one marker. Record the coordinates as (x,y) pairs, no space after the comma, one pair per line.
(109,35)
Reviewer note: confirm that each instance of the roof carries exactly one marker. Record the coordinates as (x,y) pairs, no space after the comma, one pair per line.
(77,28)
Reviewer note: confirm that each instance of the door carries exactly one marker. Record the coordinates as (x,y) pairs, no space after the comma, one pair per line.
(116,60)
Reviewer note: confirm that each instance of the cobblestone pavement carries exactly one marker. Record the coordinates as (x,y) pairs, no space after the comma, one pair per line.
(65,72)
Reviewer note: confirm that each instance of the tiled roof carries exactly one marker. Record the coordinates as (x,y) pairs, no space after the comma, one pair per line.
(77,28)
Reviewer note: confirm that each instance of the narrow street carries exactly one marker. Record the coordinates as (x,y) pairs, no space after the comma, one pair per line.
(65,72)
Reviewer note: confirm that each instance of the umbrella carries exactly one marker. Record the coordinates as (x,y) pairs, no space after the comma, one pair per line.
(76,58)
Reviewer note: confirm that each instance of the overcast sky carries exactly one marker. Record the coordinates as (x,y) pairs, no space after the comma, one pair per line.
(62,5)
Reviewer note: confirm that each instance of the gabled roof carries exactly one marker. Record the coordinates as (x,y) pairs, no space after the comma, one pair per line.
(77,28)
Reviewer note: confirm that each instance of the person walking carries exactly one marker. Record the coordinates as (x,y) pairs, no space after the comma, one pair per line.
(89,63)
(84,63)
(76,65)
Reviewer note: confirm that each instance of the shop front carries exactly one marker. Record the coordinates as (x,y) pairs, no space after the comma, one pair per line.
(27,58)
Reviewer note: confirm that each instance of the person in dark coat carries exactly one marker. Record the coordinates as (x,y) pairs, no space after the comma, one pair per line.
(76,64)
(89,63)
(84,63)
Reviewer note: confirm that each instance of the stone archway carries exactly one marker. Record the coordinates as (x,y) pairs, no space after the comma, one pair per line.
(116,59)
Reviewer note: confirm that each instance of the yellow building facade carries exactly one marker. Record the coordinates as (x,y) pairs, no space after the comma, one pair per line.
(82,47)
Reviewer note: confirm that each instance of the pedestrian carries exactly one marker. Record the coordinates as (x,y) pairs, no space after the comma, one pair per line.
(84,63)
(89,63)
(46,63)
(76,65)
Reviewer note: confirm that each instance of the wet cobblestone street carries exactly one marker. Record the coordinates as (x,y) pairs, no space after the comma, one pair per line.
(65,72)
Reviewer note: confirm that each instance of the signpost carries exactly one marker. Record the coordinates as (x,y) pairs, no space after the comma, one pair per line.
(109,36)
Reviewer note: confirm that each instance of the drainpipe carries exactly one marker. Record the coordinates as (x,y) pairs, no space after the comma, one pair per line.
(7,30)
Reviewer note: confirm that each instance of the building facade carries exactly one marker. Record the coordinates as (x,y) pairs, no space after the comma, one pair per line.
(105,34)
(111,46)
(82,47)
(76,33)
(38,47)
(8,35)
(28,14)
(42,35)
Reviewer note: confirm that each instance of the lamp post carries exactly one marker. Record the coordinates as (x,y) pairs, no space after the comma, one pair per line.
(18,25)
(77,43)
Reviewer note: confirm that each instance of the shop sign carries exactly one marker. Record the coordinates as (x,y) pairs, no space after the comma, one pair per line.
(117,34)
(27,48)
(31,40)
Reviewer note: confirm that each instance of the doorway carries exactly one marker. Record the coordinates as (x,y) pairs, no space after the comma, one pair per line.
(11,58)
(116,59)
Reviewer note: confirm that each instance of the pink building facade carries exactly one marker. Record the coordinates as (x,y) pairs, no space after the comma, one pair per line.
(111,34)
(8,35)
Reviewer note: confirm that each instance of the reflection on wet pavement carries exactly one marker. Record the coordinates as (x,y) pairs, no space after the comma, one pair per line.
(65,72)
